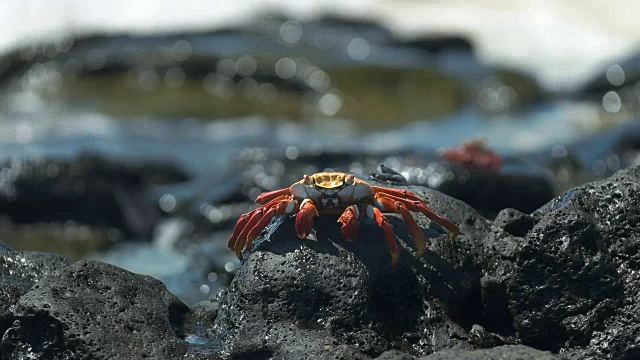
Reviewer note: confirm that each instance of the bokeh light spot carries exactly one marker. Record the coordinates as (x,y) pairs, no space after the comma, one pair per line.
(559,151)
(329,104)
(615,75)
(319,81)
(246,65)
(613,162)
(214,215)
(291,31)
(285,68)
(213,277)
(181,50)
(611,102)
(292,152)
(167,203)
(52,170)
(359,49)
(230,267)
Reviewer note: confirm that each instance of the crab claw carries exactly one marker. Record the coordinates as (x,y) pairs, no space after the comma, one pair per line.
(350,224)
(304,218)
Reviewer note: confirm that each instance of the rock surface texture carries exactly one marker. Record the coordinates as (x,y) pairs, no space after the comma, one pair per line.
(94,310)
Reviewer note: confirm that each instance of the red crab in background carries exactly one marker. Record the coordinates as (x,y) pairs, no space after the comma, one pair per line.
(473,155)
(337,193)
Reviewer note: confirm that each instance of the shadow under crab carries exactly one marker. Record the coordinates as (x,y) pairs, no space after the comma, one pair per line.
(369,247)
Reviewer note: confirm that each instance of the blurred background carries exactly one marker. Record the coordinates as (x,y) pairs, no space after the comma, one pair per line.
(136,134)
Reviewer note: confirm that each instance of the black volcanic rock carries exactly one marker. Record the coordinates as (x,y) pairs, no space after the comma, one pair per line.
(19,271)
(95,310)
(89,190)
(593,293)
(489,192)
(564,278)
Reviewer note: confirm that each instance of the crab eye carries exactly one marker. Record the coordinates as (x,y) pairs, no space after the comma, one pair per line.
(349,179)
(307,179)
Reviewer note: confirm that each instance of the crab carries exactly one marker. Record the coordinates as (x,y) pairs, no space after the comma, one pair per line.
(474,155)
(339,194)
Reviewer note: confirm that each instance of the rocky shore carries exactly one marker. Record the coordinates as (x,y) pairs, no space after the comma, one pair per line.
(560,282)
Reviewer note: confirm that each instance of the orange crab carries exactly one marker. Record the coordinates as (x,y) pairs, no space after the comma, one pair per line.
(337,193)
(474,155)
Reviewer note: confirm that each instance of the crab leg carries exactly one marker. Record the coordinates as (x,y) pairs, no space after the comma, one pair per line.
(419,206)
(350,223)
(403,194)
(393,206)
(283,207)
(242,238)
(242,222)
(382,222)
(249,224)
(250,219)
(304,218)
(269,196)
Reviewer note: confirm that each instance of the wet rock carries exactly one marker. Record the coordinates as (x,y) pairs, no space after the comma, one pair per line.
(490,192)
(594,228)
(332,298)
(501,352)
(19,271)
(89,190)
(96,310)
(580,279)
(567,282)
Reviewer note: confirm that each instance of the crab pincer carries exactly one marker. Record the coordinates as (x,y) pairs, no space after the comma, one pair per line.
(304,218)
